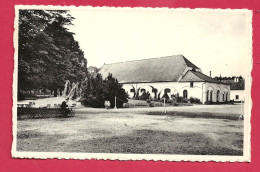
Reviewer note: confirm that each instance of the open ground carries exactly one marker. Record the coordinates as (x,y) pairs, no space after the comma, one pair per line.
(198,130)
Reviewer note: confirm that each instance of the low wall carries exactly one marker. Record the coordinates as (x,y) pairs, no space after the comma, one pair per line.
(36,113)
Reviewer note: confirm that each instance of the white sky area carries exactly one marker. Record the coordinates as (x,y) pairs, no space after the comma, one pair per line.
(214,40)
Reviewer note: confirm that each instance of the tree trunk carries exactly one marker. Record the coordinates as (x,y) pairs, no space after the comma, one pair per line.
(60,92)
(55,93)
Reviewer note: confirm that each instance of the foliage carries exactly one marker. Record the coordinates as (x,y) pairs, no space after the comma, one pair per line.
(97,90)
(48,52)
(144,96)
(194,100)
(167,100)
(217,103)
(166,96)
(181,100)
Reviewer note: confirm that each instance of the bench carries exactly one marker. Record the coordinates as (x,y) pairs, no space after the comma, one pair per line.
(36,113)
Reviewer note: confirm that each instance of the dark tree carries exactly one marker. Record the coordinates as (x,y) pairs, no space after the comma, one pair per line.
(97,90)
(48,54)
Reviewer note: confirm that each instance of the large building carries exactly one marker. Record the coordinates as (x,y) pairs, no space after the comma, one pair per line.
(237,87)
(171,75)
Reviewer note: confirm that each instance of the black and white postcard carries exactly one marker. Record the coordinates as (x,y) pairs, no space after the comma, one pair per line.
(132,83)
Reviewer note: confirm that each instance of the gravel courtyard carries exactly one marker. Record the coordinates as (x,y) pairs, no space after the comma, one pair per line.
(200,130)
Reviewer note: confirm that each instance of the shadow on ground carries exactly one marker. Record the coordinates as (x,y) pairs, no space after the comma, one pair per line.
(139,142)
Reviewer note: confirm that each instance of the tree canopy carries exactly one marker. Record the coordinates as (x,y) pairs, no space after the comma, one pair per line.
(48,54)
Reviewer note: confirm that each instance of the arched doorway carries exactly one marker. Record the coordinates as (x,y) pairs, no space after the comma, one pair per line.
(185,94)
(207,97)
(218,92)
(226,96)
(142,90)
(211,95)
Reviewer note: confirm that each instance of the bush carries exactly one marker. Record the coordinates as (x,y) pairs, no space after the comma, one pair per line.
(97,90)
(181,100)
(208,102)
(166,96)
(148,101)
(218,103)
(166,100)
(194,100)
(20,96)
(144,96)
(151,104)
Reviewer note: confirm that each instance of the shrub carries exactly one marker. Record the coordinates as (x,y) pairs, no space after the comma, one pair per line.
(144,96)
(21,96)
(181,100)
(218,103)
(194,100)
(166,96)
(151,104)
(208,102)
(148,101)
(97,90)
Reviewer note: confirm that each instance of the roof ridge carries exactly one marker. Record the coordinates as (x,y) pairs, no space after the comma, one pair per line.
(203,74)
(186,60)
(215,80)
(146,59)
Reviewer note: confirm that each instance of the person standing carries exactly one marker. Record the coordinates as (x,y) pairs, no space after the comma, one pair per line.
(64,108)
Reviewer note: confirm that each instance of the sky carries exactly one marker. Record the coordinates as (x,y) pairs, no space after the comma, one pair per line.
(214,40)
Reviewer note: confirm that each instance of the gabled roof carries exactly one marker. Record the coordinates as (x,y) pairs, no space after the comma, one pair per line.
(198,77)
(162,69)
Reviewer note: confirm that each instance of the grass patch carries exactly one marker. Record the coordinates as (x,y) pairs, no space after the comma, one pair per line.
(197,115)
(38,142)
(154,142)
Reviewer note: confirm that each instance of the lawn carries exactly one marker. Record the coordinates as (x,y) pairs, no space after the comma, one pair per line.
(198,130)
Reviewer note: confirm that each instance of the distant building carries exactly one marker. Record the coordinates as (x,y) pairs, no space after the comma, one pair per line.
(169,75)
(237,87)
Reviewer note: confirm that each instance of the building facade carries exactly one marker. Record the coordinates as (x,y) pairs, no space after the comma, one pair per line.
(171,75)
(237,87)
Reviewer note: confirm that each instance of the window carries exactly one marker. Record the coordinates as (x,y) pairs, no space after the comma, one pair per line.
(207,97)
(226,96)
(167,90)
(218,92)
(191,84)
(211,94)
(185,94)
(237,97)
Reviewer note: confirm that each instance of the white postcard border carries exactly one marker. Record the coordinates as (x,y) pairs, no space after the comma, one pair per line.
(116,156)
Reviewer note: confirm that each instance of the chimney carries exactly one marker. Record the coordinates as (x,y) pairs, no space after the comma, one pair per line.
(209,73)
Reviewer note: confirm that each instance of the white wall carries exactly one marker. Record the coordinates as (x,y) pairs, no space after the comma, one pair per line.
(224,92)
(199,89)
(240,93)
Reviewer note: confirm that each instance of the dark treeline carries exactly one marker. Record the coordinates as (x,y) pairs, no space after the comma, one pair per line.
(228,78)
(48,54)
